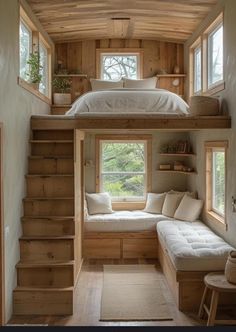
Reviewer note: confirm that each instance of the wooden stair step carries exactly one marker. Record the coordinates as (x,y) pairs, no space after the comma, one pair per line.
(51,165)
(46,249)
(52,157)
(48,226)
(41,238)
(43,301)
(48,175)
(48,186)
(53,134)
(44,274)
(52,148)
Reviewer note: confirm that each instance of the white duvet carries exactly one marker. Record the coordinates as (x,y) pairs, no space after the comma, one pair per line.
(123,101)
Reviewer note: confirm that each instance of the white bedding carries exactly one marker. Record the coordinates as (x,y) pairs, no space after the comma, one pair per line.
(119,101)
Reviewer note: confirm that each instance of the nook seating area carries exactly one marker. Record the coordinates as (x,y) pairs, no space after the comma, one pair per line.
(187,249)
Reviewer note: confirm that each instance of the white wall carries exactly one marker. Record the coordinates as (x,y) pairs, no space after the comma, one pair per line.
(16,107)
(229,97)
(160,182)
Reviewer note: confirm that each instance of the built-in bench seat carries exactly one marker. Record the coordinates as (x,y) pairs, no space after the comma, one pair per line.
(187,252)
(123,221)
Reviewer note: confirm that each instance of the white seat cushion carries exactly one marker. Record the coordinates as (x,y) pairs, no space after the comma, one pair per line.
(192,246)
(123,221)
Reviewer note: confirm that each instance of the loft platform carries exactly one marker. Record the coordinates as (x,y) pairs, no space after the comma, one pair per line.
(140,122)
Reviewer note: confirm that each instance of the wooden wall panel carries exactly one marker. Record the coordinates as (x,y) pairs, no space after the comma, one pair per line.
(158,55)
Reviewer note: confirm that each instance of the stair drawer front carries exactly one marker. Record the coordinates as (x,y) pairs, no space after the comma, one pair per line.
(138,248)
(48,227)
(59,110)
(51,166)
(59,207)
(43,302)
(54,276)
(102,248)
(47,250)
(53,134)
(52,149)
(55,186)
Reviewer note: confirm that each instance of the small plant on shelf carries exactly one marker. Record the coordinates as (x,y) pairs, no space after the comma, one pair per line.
(34,75)
(62,88)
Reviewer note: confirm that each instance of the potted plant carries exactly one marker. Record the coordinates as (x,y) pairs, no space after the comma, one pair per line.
(62,87)
(34,75)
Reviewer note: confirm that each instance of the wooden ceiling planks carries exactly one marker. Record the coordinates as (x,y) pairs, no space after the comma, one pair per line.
(171,20)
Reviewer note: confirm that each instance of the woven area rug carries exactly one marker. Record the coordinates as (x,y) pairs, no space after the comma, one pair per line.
(132,293)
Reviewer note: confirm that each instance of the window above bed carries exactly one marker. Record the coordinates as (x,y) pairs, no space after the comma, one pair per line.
(207,60)
(123,166)
(113,64)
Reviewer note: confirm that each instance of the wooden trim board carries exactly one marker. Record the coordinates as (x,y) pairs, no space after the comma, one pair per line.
(141,123)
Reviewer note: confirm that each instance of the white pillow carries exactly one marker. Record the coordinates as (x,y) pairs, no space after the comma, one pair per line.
(105,85)
(99,203)
(148,83)
(189,209)
(171,203)
(192,194)
(155,203)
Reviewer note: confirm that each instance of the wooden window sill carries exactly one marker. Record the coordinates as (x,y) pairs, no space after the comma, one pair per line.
(25,85)
(214,217)
(214,89)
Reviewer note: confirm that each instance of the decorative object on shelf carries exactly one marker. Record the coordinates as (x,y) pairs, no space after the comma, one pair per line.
(230,267)
(62,87)
(89,163)
(178,166)
(180,147)
(34,75)
(165,167)
(176,82)
(62,72)
(162,72)
(176,69)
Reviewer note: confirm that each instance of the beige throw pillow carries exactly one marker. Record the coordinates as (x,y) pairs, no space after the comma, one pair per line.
(171,203)
(189,209)
(99,203)
(148,83)
(155,203)
(105,85)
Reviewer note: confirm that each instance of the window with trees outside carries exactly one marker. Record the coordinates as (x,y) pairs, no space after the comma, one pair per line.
(25,48)
(207,60)
(43,56)
(216,179)
(116,66)
(123,167)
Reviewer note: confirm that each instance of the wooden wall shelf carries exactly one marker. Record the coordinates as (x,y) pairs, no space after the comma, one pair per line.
(71,75)
(176,172)
(172,75)
(178,154)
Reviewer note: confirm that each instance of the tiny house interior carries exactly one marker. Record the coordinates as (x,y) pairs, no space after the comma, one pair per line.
(118,197)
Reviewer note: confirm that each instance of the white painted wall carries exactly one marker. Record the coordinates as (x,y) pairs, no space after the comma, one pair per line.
(160,182)
(229,97)
(16,107)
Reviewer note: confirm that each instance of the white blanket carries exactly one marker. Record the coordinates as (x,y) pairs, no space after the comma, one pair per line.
(130,101)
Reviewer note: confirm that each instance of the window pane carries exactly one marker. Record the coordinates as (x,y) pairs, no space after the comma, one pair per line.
(215,56)
(123,169)
(25,49)
(124,185)
(43,86)
(218,183)
(114,67)
(197,69)
(123,157)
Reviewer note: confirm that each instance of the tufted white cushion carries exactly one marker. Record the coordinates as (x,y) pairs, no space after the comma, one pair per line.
(192,246)
(189,209)
(104,85)
(123,221)
(172,201)
(154,203)
(147,83)
(99,203)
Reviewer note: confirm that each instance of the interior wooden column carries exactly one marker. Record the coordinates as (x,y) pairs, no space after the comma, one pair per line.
(2,284)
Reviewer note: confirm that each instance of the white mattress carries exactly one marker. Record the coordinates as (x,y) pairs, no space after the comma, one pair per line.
(130,101)
(123,221)
(192,246)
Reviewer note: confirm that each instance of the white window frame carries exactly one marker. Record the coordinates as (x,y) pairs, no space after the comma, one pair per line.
(203,41)
(146,139)
(121,51)
(212,213)
(44,44)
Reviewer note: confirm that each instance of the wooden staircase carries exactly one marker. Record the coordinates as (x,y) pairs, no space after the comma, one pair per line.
(50,247)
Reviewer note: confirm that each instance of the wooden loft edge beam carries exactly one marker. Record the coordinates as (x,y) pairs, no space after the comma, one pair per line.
(141,123)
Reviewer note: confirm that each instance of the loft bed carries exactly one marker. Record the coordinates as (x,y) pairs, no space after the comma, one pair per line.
(131,109)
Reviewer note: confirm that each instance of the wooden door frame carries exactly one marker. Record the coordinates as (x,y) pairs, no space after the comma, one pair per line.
(2,265)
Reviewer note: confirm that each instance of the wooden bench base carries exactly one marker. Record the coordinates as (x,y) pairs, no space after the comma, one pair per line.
(120,245)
